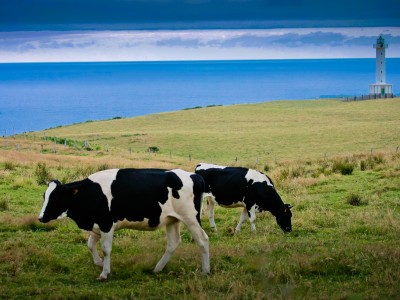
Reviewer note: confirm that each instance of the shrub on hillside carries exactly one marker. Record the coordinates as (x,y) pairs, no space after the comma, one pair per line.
(153,149)
(267,168)
(356,200)
(371,162)
(42,173)
(343,167)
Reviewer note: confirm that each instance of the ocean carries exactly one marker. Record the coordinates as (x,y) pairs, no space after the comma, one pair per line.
(36,96)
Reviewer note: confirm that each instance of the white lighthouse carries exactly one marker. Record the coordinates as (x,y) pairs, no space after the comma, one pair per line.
(380,89)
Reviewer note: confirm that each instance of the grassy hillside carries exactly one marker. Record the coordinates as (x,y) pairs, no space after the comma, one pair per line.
(280,130)
(346,215)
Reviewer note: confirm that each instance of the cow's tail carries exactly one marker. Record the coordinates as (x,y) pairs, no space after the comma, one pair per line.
(198,191)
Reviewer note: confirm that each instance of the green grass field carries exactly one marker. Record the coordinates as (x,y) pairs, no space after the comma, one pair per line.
(270,131)
(337,163)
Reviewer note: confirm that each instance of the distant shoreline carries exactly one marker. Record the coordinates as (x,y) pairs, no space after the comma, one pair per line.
(195,61)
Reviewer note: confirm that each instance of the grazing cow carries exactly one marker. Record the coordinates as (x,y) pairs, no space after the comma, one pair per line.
(241,187)
(141,199)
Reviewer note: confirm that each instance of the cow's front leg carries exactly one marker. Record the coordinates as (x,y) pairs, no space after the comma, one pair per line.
(92,244)
(243,217)
(106,246)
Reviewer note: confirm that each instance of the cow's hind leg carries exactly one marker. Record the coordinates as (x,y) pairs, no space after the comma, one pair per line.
(201,238)
(173,240)
(252,217)
(243,217)
(210,212)
(92,244)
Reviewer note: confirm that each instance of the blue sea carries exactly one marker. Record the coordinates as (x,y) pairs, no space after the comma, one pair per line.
(36,96)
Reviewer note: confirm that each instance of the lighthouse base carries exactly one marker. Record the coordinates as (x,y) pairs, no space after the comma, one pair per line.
(380,89)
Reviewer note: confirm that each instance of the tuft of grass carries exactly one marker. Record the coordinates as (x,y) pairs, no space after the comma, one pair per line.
(9,166)
(31,223)
(355,199)
(4,200)
(103,167)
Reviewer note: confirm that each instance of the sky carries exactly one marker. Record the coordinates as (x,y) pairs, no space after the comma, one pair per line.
(158,30)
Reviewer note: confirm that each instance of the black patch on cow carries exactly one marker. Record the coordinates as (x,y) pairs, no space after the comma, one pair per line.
(228,185)
(198,190)
(137,194)
(88,205)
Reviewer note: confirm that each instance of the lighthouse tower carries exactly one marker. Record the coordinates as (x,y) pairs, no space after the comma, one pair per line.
(380,89)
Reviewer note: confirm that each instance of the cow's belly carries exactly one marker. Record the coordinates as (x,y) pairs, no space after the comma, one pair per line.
(225,201)
(233,205)
(143,225)
(136,225)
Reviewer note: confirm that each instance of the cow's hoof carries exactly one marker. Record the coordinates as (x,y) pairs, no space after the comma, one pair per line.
(101,278)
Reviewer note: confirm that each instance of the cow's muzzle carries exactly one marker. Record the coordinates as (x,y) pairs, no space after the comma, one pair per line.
(287,229)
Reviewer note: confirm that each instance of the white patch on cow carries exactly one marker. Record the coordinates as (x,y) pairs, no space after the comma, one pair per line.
(204,166)
(173,207)
(187,189)
(50,189)
(257,177)
(105,179)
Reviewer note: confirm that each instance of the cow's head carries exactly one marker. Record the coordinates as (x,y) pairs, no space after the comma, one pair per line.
(55,202)
(284,219)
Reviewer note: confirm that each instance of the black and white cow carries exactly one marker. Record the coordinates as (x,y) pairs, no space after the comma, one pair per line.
(242,187)
(141,199)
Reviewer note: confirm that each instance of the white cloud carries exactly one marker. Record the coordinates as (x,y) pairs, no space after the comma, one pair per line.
(194,44)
